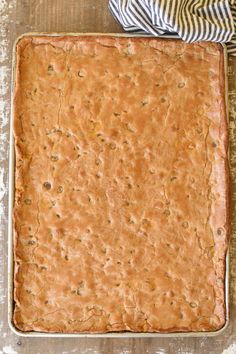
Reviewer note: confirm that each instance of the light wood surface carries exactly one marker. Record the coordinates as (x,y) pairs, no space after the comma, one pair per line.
(17,17)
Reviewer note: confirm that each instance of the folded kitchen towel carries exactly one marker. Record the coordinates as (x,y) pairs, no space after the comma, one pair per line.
(192,20)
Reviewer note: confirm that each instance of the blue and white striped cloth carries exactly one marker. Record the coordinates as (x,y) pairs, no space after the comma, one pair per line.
(192,20)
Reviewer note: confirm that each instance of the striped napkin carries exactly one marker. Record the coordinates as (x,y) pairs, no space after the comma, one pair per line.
(192,20)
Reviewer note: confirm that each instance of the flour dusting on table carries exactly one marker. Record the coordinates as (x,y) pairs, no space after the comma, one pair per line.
(230,350)
(4,115)
(9,350)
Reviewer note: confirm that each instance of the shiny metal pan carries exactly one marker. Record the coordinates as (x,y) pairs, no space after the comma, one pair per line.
(10,223)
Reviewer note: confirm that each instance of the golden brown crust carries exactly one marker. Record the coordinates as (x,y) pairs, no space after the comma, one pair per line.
(121,216)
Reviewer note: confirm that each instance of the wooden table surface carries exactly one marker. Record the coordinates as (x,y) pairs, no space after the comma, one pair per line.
(17,17)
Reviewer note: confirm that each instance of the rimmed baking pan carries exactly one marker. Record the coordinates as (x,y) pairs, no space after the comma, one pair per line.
(10,225)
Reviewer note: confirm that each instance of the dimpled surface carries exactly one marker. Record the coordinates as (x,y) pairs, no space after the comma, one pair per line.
(121,185)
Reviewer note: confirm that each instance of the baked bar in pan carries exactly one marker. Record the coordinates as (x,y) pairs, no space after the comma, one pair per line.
(121,218)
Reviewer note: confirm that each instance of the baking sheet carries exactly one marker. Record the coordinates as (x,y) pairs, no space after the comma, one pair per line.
(10,223)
